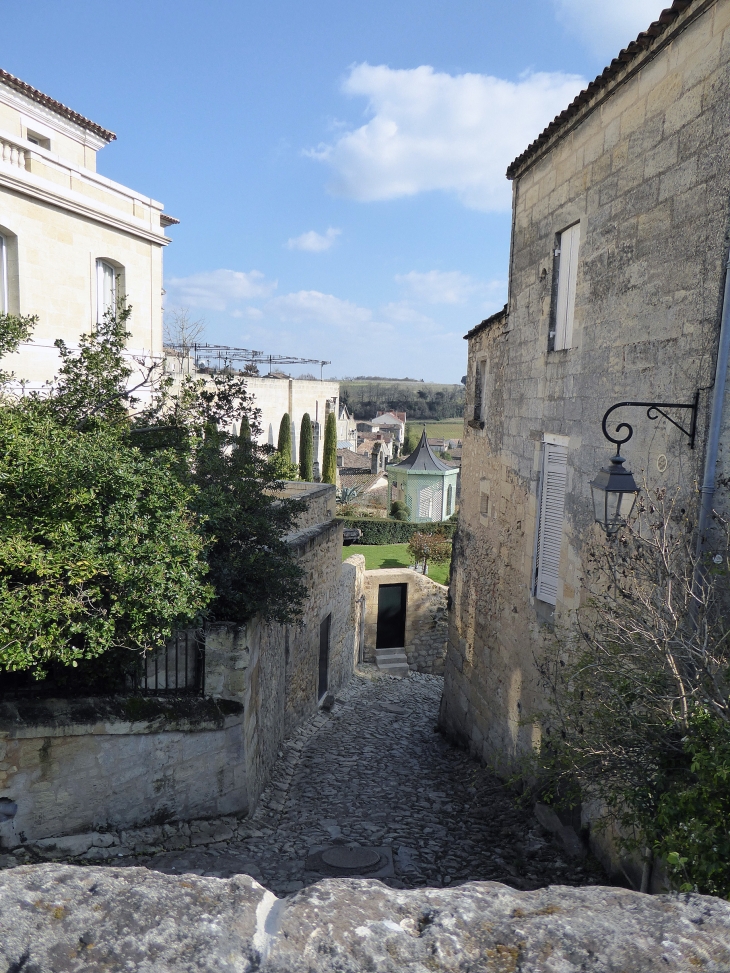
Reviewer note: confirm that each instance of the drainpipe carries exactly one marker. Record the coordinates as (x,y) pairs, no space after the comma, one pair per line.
(707,492)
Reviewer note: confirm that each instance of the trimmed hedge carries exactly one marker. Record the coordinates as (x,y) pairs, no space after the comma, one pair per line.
(377,531)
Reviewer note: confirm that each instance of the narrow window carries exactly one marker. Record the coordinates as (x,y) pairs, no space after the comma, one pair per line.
(106,289)
(478,381)
(3,276)
(550,523)
(484,504)
(449,500)
(565,274)
(324,655)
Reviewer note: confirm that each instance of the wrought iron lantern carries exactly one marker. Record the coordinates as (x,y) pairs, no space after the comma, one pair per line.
(614,490)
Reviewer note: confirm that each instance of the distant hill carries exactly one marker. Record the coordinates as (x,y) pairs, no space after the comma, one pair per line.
(365,397)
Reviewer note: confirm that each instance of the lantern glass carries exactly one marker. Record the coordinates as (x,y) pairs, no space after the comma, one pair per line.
(614,494)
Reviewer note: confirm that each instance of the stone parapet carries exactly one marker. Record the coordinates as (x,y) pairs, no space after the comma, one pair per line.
(135,919)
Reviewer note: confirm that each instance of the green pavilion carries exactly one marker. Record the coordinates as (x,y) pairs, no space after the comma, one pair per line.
(424,483)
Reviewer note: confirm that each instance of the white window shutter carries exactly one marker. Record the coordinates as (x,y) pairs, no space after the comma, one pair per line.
(567,277)
(3,276)
(550,526)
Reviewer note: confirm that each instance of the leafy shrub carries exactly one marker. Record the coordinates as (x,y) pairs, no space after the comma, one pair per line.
(398,510)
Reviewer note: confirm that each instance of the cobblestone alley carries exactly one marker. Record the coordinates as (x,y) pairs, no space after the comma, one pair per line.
(373,787)
(373,773)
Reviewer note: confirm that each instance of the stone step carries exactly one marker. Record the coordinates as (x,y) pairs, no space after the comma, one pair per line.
(392,661)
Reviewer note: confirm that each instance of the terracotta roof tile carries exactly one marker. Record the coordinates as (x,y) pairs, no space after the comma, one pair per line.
(55,106)
(626,56)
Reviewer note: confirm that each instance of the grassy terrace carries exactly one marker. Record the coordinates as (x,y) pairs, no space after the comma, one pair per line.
(442,428)
(393,556)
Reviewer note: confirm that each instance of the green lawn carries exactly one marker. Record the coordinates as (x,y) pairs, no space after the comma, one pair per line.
(393,556)
(442,429)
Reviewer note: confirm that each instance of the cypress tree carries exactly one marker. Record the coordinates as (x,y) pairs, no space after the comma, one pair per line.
(305,449)
(329,460)
(284,444)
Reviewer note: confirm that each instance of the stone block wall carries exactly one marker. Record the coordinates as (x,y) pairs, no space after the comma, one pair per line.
(88,765)
(427,619)
(81,766)
(644,169)
(273,669)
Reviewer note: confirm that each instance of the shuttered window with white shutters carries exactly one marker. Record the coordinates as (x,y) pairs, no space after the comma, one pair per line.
(566,265)
(553,482)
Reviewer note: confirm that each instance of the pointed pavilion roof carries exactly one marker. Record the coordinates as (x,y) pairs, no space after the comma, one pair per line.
(422,460)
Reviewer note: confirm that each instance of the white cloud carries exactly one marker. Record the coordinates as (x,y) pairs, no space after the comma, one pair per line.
(608,27)
(435,131)
(314,242)
(402,312)
(438,287)
(216,290)
(318,308)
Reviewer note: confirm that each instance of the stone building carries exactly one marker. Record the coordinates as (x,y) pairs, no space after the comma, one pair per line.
(424,483)
(71,240)
(92,768)
(616,282)
(406,621)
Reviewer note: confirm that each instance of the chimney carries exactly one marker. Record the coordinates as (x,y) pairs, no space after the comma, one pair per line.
(375,458)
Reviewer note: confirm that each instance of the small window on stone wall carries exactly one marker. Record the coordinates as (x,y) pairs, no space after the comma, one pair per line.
(484,504)
(478,381)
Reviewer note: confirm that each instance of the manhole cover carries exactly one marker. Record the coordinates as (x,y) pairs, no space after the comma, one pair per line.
(343,857)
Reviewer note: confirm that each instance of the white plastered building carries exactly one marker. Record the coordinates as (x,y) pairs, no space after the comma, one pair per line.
(70,239)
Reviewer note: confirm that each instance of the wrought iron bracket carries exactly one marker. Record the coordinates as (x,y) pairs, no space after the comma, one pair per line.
(653,411)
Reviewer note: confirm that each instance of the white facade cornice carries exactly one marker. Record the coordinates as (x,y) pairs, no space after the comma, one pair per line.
(46,116)
(26,183)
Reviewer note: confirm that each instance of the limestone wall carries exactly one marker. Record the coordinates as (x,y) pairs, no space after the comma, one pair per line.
(426,618)
(645,173)
(273,669)
(81,766)
(75,767)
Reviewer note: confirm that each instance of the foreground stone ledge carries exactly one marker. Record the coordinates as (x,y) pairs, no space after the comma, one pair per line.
(57,918)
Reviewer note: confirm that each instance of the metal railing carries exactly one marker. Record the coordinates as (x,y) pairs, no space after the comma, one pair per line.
(174,669)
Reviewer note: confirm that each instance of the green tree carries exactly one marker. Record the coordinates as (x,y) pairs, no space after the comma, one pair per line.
(306,447)
(242,513)
(284,443)
(329,460)
(13,330)
(429,547)
(99,547)
(411,439)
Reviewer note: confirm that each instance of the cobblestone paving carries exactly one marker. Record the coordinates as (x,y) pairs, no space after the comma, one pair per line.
(375,773)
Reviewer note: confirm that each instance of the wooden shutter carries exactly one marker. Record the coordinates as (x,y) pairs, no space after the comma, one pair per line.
(550,526)
(567,275)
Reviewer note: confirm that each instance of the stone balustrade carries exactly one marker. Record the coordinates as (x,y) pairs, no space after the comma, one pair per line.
(13,154)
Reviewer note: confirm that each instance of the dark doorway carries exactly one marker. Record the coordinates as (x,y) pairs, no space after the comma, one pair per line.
(324,655)
(392,600)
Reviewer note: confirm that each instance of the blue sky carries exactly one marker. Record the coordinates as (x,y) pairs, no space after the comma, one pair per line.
(337,165)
